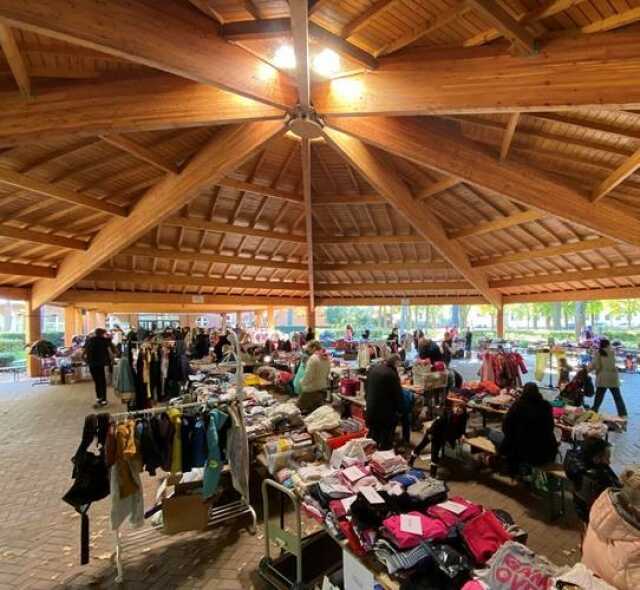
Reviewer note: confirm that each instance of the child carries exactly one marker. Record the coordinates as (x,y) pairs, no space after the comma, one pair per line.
(564,373)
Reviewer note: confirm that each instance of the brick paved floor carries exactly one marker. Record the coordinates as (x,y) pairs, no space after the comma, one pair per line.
(39,534)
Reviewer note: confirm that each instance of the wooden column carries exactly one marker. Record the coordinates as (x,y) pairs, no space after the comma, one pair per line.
(101,319)
(271,317)
(238,319)
(69,324)
(500,321)
(311,317)
(33,332)
(90,320)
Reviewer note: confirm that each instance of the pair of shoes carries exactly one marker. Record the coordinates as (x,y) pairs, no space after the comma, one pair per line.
(100,403)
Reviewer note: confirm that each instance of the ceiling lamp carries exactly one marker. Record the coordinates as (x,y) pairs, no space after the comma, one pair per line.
(284,57)
(326,63)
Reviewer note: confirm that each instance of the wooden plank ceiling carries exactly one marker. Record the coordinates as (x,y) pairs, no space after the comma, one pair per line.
(499,161)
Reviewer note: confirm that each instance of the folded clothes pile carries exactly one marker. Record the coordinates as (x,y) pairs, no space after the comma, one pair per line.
(386,464)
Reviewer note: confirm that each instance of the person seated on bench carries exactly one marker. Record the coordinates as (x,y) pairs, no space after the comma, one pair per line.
(449,427)
(527,435)
(588,469)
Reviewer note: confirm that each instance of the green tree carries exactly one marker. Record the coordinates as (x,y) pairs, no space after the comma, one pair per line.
(625,308)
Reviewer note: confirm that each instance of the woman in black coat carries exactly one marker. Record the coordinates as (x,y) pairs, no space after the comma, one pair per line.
(528,430)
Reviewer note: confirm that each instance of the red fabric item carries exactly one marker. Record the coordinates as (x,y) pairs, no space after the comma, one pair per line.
(438,366)
(558,412)
(451,519)
(484,535)
(349,386)
(352,539)
(432,529)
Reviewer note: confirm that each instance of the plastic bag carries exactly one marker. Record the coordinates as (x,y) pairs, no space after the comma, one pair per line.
(297,380)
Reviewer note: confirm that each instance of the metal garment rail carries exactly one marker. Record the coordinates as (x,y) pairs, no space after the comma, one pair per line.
(217,514)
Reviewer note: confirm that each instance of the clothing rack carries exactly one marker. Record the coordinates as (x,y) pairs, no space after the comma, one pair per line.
(216,514)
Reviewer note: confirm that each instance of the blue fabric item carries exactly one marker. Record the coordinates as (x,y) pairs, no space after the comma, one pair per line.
(199,443)
(409,478)
(213,468)
(124,381)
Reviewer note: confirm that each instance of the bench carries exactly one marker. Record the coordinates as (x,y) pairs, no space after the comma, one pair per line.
(545,479)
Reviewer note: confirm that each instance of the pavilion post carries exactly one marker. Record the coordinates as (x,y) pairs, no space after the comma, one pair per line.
(33,332)
(500,322)
(69,324)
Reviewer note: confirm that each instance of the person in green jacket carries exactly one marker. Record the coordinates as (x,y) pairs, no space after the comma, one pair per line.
(604,365)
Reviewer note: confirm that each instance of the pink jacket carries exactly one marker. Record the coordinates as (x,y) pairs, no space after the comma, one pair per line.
(612,544)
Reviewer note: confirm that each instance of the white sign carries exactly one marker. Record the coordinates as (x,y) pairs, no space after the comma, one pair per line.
(454,507)
(356,575)
(371,495)
(411,524)
(202,322)
(353,474)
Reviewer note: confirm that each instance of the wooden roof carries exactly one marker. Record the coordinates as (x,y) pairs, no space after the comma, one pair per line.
(472,151)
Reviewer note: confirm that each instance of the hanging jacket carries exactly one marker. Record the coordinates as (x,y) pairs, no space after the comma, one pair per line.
(175,415)
(611,546)
(124,381)
(213,467)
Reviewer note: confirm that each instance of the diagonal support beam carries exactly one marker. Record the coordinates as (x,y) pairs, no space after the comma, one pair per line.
(229,148)
(443,148)
(380,173)
(168,36)
(140,152)
(15,60)
(619,175)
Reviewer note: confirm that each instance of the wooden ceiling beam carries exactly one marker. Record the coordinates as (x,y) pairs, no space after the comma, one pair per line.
(229,228)
(509,133)
(394,300)
(211,258)
(426,265)
(549,8)
(230,147)
(181,301)
(316,5)
(54,191)
(631,270)
(437,187)
(278,28)
(613,22)
(442,20)
(369,239)
(551,251)
(393,286)
(497,224)
(491,12)
(15,59)
(588,71)
(299,11)
(260,189)
(140,152)
(123,106)
(377,168)
(174,38)
(576,295)
(619,175)
(346,199)
(444,149)
(140,278)
(27,270)
(15,293)
(37,237)
(363,19)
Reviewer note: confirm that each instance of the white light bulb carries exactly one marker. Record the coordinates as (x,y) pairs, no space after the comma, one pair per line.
(284,57)
(327,62)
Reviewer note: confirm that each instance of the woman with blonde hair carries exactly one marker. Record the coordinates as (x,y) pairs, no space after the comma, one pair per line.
(611,546)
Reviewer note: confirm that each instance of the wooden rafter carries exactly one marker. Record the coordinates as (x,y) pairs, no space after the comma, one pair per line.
(215,226)
(415,300)
(379,172)
(346,199)
(397,286)
(300,32)
(491,11)
(27,270)
(508,135)
(227,150)
(277,28)
(38,237)
(53,191)
(15,60)
(497,224)
(549,252)
(121,106)
(363,19)
(613,22)
(211,258)
(549,8)
(442,20)
(140,152)
(260,189)
(370,239)
(597,71)
(155,279)
(175,39)
(577,295)
(620,174)
(437,187)
(445,150)
(426,265)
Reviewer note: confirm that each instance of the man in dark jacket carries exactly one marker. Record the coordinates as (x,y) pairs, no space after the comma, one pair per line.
(384,401)
(98,352)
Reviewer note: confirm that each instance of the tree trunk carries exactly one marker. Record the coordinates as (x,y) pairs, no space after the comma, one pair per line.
(580,318)
(557,316)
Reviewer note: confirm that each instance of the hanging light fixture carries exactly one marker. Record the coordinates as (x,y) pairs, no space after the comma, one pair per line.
(326,63)
(284,57)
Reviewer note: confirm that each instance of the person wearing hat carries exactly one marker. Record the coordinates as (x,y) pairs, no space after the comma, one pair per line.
(315,381)
(384,400)
(611,547)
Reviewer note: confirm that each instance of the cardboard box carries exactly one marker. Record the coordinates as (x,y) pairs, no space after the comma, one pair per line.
(185,513)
